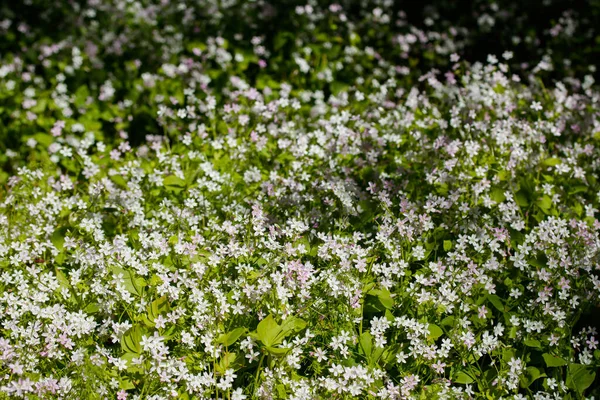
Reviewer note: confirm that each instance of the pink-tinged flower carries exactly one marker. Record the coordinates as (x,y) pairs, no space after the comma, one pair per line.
(438,367)
(57,128)
(482,312)
(121,395)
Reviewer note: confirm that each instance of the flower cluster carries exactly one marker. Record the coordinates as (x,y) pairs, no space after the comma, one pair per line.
(212,219)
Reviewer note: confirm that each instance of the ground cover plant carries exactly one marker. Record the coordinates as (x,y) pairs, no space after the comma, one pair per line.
(299,200)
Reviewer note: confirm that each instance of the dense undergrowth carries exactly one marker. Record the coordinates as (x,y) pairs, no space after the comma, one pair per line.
(299,200)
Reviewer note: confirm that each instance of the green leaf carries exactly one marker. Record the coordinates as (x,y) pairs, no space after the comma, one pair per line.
(578,189)
(183,395)
(58,237)
(270,333)
(292,324)
(157,307)
(81,96)
(448,321)
(268,330)
(70,165)
(497,195)
(277,351)
(281,392)
(532,343)
(230,360)
(384,296)
(553,361)
(126,384)
(130,342)
(580,377)
(62,278)
(130,366)
(92,308)
(521,198)
(544,203)
(119,180)
(389,316)
(531,375)
(132,284)
(508,353)
(435,331)
(375,355)
(231,337)
(552,161)
(173,183)
(44,139)
(366,343)
(496,302)
(337,87)
(447,245)
(463,378)
(280,39)
(389,354)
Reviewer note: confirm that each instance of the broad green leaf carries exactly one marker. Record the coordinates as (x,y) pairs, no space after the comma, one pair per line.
(182,395)
(58,237)
(92,308)
(130,341)
(157,307)
(435,331)
(521,198)
(126,384)
(496,302)
(531,375)
(508,354)
(389,316)
(277,351)
(230,360)
(132,284)
(268,330)
(580,377)
(270,333)
(44,139)
(366,343)
(463,378)
(281,392)
(231,337)
(292,324)
(119,180)
(553,361)
(448,321)
(389,354)
(63,281)
(173,183)
(552,161)
(497,195)
(544,203)
(578,189)
(337,87)
(532,343)
(81,96)
(384,296)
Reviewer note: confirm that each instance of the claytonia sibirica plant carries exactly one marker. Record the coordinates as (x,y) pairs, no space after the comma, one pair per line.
(301,216)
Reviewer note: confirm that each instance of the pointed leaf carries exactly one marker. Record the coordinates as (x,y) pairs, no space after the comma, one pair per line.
(554,361)
(580,377)
(435,331)
(268,330)
(366,343)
